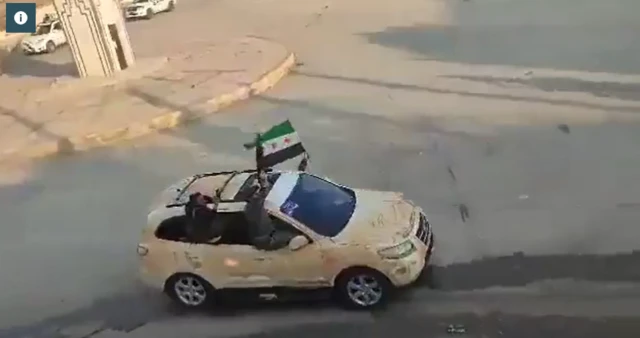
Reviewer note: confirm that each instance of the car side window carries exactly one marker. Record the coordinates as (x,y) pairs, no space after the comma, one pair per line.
(56,26)
(236,228)
(281,225)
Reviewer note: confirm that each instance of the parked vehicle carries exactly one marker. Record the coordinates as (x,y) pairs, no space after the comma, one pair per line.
(48,37)
(147,9)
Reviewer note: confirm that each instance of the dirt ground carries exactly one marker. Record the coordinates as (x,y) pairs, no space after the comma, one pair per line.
(39,3)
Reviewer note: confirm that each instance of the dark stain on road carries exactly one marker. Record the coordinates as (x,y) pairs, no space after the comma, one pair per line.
(464,212)
(520,270)
(452,174)
(564,128)
(493,325)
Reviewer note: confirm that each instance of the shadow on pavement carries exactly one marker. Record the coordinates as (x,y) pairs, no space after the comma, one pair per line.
(64,146)
(202,133)
(123,313)
(618,90)
(492,325)
(413,87)
(18,65)
(520,270)
(592,48)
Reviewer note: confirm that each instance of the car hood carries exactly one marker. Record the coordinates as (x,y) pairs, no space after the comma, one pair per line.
(34,40)
(138,5)
(380,217)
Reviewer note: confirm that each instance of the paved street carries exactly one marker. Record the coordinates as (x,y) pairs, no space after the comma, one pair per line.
(513,123)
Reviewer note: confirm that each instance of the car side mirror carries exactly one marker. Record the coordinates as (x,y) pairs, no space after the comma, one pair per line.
(298,243)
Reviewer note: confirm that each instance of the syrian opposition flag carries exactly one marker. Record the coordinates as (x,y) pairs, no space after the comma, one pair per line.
(278,144)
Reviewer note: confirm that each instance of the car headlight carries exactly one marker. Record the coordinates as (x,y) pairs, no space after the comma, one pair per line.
(399,251)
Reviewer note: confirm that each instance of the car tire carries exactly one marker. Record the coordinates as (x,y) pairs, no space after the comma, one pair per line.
(172,6)
(51,47)
(362,289)
(189,291)
(149,15)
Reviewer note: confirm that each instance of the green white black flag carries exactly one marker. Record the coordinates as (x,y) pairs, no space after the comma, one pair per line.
(279,144)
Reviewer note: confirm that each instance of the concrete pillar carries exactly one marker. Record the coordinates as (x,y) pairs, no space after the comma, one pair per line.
(97,35)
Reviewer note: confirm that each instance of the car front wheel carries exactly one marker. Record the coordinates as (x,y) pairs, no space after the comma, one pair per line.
(363,289)
(51,47)
(149,15)
(189,290)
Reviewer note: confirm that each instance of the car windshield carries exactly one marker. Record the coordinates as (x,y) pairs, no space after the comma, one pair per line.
(42,30)
(140,1)
(322,206)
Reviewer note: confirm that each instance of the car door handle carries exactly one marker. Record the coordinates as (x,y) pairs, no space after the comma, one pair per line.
(261,259)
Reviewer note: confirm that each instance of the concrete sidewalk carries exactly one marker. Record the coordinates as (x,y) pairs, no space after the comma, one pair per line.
(46,116)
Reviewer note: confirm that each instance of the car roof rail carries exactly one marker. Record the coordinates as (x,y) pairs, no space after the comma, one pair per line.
(228,172)
(216,173)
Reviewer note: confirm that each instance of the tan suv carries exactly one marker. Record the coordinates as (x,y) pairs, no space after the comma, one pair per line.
(358,244)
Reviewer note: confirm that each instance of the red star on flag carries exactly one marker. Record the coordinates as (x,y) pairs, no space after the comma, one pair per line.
(287,140)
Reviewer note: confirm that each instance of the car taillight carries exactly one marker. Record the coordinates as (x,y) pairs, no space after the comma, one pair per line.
(142,250)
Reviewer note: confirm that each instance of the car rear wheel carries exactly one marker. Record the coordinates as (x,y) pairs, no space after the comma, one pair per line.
(190,291)
(363,289)
(51,47)
(171,7)
(149,14)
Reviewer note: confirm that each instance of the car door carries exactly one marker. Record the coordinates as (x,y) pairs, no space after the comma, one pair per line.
(240,266)
(58,34)
(300,268)
(224,266)
(158,6)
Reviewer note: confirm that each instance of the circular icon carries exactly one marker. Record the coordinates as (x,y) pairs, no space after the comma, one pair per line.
(20,18)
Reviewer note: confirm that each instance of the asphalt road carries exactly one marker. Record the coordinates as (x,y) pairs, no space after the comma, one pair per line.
(489,114)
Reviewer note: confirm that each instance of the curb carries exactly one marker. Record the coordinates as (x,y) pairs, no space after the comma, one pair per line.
(66,146)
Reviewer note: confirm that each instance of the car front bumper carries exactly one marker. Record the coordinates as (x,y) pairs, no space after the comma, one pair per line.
(32,49)
(406,271)
(135,14)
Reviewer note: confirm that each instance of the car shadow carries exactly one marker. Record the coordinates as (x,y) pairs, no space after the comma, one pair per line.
(18,65)
(230,308)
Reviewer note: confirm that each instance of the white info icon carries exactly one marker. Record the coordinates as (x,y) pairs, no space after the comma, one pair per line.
(21,18)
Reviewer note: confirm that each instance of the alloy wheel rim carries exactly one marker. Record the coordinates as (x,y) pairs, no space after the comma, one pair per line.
(190,291)
(364,290)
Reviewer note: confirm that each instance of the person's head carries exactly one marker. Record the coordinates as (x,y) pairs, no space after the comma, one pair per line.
(197,198)
(262,177)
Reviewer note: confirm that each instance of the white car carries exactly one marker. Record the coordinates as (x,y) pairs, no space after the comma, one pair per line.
(48,36)
(356,245)
(148,8)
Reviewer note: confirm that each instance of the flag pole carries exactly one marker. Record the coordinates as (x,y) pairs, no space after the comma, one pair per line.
(259,153)
(304,163)
(260,169)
